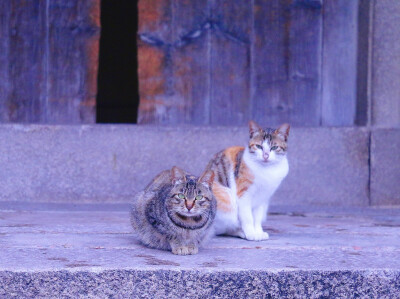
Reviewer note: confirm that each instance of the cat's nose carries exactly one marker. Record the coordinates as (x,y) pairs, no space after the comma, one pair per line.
(266,156)
(189,205)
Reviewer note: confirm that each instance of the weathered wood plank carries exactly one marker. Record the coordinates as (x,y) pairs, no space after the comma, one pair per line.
(287,64)
(270,62)
(73,55)
(339,59)
(363,62)
(154,61)
(151,84)
(385,64)
(173,80)
(230,61)
(4,59)
(27,64)
(305,46)
(155,17)
(190,62)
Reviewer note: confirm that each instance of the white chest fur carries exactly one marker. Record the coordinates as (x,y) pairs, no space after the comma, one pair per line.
(267,178)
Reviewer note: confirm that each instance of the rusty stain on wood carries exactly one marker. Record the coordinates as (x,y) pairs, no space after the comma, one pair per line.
(150,13)
(155,18)
(88,104)
(151,62)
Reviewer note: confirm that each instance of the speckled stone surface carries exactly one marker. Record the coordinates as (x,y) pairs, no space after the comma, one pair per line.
(201,284)
(109,163)
(51,250)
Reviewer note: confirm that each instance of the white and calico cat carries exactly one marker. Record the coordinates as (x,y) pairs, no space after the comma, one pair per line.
(246,178)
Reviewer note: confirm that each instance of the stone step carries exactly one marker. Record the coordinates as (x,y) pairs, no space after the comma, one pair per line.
(109,163)
(69,250)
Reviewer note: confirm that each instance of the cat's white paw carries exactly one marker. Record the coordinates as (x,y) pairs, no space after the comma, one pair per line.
(250,236)
(185,250)
(257,236)
(261,236)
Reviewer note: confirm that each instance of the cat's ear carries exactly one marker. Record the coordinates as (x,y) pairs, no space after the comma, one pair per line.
(177,175)
(283,132)
(254,128)
(207,178)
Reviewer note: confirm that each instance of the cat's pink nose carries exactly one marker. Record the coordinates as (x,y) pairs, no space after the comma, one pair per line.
(266,156)
(189,205)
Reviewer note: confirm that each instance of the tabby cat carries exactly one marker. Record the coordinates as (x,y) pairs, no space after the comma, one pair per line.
(246,178)
(175,211)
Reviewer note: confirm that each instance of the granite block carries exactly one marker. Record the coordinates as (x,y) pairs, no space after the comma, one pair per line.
(385,167)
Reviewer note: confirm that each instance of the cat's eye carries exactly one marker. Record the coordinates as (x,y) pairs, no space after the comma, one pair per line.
(198,197)
(259,146)
(274,148)
(181,196)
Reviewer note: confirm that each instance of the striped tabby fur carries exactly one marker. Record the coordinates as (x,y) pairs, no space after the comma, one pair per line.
(175,211)
(246,178)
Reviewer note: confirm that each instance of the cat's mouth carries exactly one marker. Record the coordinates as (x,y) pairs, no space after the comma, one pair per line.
(195,218)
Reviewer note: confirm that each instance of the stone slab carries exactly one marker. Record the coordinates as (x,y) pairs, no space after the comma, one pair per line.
(109,163)
(386,64)
(69,251)
(200,284)
(385,167)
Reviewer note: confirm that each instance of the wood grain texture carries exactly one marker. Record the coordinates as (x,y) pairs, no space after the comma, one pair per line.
(287,64)
(173,62)
(26,101)
(363,109)
(271,62)
(225,62)
(49,61)
(4,59)
(385,65)
(305,45)
(155,17)
(154,61)
(339,55)
(72,65)
(191,62)
(230,62)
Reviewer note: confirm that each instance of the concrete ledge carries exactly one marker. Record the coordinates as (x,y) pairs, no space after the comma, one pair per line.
(65,251)
(385,167)
(107,163)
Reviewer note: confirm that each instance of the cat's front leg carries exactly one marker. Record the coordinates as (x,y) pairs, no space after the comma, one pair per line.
(259,214)
(246,218)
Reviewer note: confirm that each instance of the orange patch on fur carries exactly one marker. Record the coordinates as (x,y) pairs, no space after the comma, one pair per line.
(231,153)
(222,197)
(244,180)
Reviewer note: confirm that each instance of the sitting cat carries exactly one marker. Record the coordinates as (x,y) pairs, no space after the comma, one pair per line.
(175,211)
(246,178)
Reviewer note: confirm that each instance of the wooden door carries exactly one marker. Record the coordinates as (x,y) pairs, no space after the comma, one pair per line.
(224,62)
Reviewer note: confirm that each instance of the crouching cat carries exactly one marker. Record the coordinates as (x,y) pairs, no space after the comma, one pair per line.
(246,178)
(175,211)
